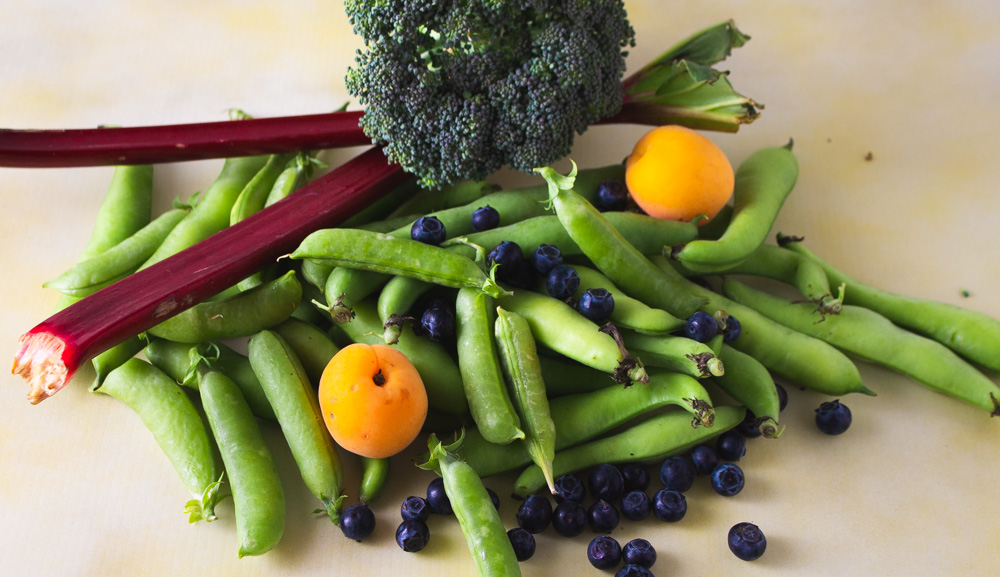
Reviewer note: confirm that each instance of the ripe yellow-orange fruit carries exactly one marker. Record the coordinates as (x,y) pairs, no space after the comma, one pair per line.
(373,400)
(676,173)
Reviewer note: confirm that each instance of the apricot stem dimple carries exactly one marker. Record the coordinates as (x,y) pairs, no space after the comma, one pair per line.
(379,378)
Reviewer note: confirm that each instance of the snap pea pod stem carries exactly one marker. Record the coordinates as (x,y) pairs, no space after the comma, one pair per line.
(239,316)
(790,354)
(519,361)
(676,353)
(871,337)
(749,383)
(296,407)
(177,427)
(258,497)
(374,477)
(612,254)
(628,313)
(762,183)
(654,439)
(972,334)
(478,360)
(480,522)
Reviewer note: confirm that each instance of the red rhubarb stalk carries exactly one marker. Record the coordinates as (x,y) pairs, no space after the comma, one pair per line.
(50,353)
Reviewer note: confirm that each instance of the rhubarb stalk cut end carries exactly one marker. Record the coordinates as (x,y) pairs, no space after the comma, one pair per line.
(39,360)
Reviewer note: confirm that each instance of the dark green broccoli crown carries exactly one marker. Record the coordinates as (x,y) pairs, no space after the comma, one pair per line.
(458,89)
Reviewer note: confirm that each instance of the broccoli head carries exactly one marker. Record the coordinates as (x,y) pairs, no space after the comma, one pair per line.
(457,89)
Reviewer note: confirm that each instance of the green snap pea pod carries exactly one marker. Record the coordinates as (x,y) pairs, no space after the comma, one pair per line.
(437,369)
(972,334)
(426,201)
(564,376)
(346,286)
(871,337)
(482,375)
(787,353)
(480,522)
(352,248)
(316,273)
(652,440)
(613,255)
(381,208)
(749,383)
(91,274)
(176,426)
(374,477)
(677,353)
(559,327)
(297,408)
(389,225)
(584,416)
(519,361)
(763,182)
(239,316)
(253,196)
(628,313)
(292,178)
(258,497)
(184,361)
(397,297)
(112,358)
(311,346)
(308,312)
(715,228)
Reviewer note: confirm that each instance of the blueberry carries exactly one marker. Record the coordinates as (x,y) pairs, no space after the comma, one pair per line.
(677,474)
(704,458)
(545,258)
(636,476)
(412,535)
(604,552)
(750,426)
(732,331)
(701,327)
(357,522)
(603,516)
(833,417)
(569,487)
(523,543)
(639,552)
(612,194)
(731,446)
(746,541)
(782,397)
(727,479)
(485,218)
(636,505)
(596,304)
(670,506)
(428,230)
(562,281)
(507,256)
(438,323)
(494,497)
(569,519)
(415,508)
(606,482)
(535,513)
(437,498)
(633,571)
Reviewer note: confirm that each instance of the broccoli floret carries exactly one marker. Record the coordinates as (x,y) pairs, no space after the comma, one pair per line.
(458,89)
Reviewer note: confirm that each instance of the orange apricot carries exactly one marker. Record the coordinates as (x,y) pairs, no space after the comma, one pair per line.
(679,174)
(373,400)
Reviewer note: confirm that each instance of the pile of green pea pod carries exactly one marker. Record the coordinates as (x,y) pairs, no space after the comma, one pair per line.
(528,383)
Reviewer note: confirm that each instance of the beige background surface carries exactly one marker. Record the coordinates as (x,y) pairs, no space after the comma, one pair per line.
(909,490)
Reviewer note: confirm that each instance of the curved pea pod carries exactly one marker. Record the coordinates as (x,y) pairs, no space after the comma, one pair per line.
(676,353)
(183,362)
(787,353)
(297,409)
(254,195)
(113,358)
(480,522)
(440,373)
(293,177)
(628,313)
(559,327)
(238,316)
(563,376)
(873,338)
(176,426)
(374,477)
(972,334)
(346,286)
(258,497)
(612,254)
(478,360)
(316,273)
(652,440)
(311,346)
(763,182)
(749,383)
(583,416)
(519,360)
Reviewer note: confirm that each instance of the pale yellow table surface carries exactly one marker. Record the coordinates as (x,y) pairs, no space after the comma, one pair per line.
(910,489)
